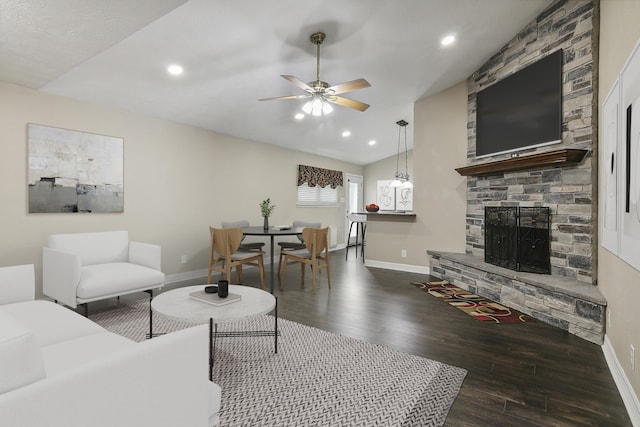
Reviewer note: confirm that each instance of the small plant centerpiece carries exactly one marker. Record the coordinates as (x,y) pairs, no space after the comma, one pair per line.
(266,208)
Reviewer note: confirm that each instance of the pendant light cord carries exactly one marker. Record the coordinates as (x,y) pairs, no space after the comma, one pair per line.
(398,154)
(406,154)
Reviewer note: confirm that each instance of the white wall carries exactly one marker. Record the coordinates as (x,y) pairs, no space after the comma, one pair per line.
(620,283)
(178,181)
(440,146)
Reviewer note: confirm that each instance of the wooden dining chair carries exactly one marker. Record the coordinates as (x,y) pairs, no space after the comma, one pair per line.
(244,246)
(315,254)
(299,244)
(224,254)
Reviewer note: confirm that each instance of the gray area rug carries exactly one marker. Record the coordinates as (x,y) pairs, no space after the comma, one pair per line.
(317,378)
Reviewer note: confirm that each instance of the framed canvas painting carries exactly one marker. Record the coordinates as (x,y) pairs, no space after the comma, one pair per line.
(73,171)
(386,196)
(404,199)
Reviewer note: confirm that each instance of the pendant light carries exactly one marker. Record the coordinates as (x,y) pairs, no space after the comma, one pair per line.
(402,178)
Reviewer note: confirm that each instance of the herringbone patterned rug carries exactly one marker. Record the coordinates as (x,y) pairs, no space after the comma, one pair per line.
(317,378)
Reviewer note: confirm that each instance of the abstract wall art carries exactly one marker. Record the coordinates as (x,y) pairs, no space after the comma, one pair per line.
(386,196)
(73,171)
(404,199)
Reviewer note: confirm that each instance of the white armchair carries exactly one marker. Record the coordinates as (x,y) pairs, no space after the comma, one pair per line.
(82,267)
(59,369)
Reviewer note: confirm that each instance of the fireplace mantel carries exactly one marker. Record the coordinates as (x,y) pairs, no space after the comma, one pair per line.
(550,158)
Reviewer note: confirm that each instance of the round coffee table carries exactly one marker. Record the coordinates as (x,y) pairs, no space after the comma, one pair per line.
(178,305)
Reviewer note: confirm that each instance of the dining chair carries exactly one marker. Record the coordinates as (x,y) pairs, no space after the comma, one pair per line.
(315,254)
(225,254)
(299,244)
(244,246)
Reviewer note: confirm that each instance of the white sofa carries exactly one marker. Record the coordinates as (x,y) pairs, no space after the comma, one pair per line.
(79,268)
(59,369)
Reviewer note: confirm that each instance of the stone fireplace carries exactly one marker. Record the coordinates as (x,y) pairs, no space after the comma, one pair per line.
(567,189)
(560,179)
(517,238)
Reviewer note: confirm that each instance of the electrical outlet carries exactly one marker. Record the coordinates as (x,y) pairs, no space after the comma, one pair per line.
(183,259)
(403,253)
(632,356)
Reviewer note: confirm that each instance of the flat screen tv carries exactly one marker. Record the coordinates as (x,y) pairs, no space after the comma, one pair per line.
(523,110)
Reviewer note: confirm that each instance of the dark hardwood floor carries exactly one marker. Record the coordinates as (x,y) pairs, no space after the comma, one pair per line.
(528,374)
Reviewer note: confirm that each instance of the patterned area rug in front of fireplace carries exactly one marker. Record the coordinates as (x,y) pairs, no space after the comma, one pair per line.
(474,305)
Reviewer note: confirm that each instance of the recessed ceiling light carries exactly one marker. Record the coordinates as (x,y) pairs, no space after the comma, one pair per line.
(346,133)
(372,142)
(174,69)
(448,40)
(299,116)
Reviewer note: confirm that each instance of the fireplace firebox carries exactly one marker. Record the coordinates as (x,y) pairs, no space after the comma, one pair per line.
(518,238)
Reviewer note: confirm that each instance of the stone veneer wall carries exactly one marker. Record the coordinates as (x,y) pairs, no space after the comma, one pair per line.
(564,303)
(569,192)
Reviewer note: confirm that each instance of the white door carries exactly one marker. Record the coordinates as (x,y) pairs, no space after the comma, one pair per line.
(354,202)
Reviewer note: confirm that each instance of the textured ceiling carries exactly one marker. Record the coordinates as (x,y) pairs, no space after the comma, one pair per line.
(114,53)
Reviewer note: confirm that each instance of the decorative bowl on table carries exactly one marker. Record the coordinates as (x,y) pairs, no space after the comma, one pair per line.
(372,208)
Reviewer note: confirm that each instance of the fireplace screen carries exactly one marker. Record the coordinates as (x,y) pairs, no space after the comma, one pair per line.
(517,238)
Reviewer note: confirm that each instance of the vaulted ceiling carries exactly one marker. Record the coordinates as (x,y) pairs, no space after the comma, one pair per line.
(115,53)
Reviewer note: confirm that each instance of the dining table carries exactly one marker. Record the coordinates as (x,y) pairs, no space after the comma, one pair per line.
(272,232)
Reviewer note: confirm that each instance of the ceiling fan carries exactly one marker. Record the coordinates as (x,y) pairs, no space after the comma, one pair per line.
(320,93)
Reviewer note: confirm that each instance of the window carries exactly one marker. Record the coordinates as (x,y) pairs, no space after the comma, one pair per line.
(317,196)
(317,186)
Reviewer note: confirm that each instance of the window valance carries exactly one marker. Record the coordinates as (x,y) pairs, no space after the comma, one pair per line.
(313,176)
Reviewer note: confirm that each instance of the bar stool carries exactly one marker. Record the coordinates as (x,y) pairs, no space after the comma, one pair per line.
(360,220)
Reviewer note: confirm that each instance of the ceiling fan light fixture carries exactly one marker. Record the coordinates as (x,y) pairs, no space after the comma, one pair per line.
(326,108)
(406,184)
(316,106)
(395,183)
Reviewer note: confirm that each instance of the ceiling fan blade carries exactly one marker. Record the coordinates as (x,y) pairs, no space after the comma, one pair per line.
(296,81)
(349,103)
(348,86)
(286,97)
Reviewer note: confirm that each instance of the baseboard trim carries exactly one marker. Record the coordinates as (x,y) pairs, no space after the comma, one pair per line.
(629,397)
(398,267)
(187,275)
(198,274)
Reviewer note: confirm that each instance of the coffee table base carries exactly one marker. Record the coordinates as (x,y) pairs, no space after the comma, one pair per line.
(214,335)
(151,334)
